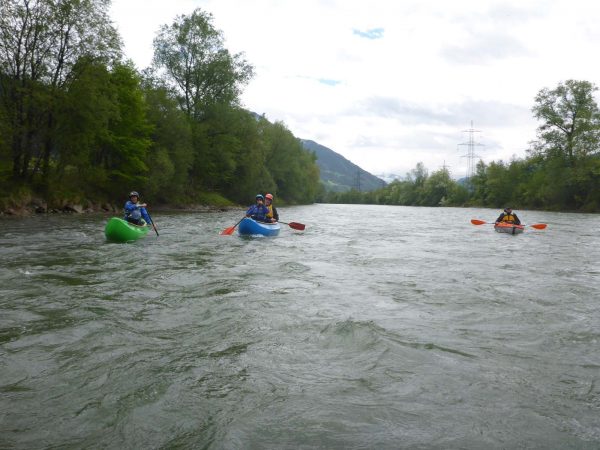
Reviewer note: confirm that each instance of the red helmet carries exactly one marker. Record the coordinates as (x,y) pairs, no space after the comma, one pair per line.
(269,196)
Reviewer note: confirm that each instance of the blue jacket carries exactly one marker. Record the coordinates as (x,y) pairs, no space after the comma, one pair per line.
(258,212)
(137,212)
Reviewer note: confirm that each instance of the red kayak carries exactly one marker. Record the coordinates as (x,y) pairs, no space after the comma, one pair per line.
(510,228)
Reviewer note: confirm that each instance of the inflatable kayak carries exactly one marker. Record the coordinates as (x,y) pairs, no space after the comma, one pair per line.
(509,228)
(119,230)
(250,227)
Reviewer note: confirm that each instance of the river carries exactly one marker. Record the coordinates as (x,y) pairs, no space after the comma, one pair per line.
(378,327)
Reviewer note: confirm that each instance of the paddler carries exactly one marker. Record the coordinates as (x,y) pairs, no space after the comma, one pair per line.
(135,212)
(508,216)
(258,211)
(272,215)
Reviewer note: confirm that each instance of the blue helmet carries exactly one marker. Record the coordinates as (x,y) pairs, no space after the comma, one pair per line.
(260,196)
(132,193)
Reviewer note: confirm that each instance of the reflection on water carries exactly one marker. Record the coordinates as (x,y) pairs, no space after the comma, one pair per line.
(376,327)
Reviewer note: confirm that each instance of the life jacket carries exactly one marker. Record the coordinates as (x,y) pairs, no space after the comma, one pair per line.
(136,214)
(258,212)
(269,215)
(508,218)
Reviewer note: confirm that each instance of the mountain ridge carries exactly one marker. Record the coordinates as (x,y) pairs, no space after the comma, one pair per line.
(338,174)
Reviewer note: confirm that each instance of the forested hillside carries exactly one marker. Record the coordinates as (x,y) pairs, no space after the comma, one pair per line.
(338,174)
(78,122)
(560,172)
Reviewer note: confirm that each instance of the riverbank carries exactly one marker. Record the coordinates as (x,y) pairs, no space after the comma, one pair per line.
(23,201)
(41,207)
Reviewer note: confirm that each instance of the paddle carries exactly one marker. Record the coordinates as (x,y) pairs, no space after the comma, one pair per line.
(537,226)
(152,221)
(295,225)
(229,231)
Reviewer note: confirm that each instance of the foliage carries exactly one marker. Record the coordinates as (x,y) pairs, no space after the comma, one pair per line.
(40,44)
(197,65)
(561,171)
(170,154)
(77,121)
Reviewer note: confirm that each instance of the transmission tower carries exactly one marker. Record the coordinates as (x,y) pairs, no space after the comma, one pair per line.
(445,167)
(471,144)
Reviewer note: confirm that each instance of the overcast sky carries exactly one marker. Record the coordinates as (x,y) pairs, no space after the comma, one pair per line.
(388,84)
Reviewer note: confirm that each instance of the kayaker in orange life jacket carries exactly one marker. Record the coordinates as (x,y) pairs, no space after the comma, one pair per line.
(272,215)
(509,217)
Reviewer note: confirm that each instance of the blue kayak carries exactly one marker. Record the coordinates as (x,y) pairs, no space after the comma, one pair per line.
(250,227)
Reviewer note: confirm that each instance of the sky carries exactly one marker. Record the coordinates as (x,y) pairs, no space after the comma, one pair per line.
(388,84)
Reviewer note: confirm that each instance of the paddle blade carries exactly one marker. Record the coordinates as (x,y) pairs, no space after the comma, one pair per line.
(297,226)
(539,226)
(478,222)
(228,231)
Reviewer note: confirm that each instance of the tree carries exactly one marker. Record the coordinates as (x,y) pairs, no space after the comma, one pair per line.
(499,185)
(477,184)
(82,113)
(289,164)
(40,43)
(194,59)
(171,153)
(103,132)
(123,150)
(571,121)
(569,140)
(436,188)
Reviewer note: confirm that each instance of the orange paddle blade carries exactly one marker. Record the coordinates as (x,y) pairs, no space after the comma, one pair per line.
(228,231)
(297,226)
(478,222)
(539,226)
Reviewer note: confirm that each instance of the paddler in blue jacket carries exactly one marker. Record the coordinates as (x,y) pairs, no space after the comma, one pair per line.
(135,212)
(508,217)
(258,211)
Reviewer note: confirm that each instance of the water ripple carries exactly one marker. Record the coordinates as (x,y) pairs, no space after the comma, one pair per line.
(391,335)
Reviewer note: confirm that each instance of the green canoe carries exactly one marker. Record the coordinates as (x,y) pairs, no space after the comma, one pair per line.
(118,230)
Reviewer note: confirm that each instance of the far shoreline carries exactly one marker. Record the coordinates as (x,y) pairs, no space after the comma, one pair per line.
(39,208)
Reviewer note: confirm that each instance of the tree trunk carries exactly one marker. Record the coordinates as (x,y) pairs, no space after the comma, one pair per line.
(17,154)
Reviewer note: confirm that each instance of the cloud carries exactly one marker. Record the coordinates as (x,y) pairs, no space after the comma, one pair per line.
(373,33)
(388,84)
(483,48)
(484,112)
(329,82)
(513,15)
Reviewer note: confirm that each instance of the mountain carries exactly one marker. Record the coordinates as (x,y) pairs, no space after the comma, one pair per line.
(338,174)
(389,177)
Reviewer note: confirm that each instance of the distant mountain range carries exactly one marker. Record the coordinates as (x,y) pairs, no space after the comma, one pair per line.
(340,175)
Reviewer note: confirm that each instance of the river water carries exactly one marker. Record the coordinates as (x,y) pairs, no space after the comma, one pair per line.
(376,327)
